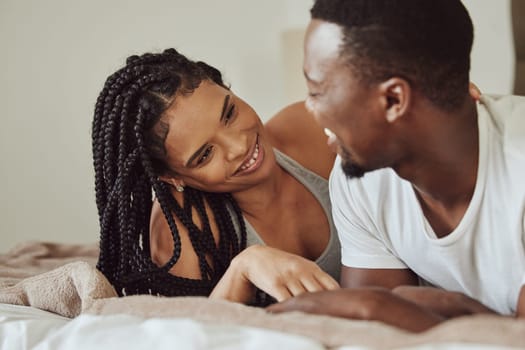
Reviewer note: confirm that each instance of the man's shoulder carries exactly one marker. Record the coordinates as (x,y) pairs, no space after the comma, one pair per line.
(507,115)
(511,102)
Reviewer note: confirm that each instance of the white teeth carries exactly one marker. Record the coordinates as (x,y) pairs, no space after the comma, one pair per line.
(330,134)
(252,159)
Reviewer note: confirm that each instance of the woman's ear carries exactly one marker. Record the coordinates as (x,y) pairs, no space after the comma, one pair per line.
(177,183)
(396,94)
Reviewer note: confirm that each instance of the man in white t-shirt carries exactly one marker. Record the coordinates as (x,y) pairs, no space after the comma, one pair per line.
(429,185)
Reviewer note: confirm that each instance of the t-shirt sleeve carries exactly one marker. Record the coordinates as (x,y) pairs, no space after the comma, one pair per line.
(361,244)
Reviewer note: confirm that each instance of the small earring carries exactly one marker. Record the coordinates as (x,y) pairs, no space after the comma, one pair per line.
(179,188)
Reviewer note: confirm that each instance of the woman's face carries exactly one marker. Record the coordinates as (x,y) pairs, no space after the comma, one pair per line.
(216,142)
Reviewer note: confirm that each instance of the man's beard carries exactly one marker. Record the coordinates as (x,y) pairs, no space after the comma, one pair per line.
(350,168)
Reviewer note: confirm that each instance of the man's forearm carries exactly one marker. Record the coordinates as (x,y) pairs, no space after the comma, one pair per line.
(373,304)
(391,309)
(445,303)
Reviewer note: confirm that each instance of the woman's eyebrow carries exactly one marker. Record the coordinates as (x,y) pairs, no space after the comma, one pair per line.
(224,106)
(201,148)
(195,155)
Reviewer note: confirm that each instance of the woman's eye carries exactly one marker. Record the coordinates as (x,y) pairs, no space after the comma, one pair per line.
(229,114)
(205,155)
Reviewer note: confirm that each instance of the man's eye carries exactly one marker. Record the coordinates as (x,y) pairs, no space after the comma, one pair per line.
(313,94)
(205,155)
(229,114)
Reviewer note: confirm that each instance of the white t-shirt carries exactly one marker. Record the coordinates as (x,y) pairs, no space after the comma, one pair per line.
(381,224)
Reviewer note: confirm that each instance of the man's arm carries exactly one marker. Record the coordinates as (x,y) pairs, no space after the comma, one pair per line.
(404,283)
(447,304)
(352,277)
(367,259)
(372,304)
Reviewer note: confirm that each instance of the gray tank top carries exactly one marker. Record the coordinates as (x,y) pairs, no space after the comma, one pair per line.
(330,259)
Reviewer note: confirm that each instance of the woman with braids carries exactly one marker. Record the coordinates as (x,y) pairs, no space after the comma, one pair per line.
(196,197)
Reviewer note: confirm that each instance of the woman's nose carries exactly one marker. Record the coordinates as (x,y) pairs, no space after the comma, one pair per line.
(235,145)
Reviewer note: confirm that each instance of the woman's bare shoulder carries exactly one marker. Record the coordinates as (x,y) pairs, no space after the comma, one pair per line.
(294,131)
(162,243)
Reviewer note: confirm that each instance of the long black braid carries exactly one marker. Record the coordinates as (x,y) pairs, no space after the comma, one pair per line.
(128,156)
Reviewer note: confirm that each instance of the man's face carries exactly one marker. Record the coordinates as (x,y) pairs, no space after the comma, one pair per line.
(340,102)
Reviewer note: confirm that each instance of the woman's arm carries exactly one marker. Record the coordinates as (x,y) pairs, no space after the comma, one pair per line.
(280,274)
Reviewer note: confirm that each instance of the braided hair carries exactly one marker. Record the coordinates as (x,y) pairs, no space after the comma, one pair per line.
(128,155)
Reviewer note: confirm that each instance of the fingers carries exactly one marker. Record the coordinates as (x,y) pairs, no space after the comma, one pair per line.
(474,91)
(297,287)
(283,306)
(280,293)
(277,308)
(327,281)
(316,282)
(319,282)
(312,284)
(306,302)
(294,287)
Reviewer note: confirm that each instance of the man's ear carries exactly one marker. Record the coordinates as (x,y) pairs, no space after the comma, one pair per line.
(396,94)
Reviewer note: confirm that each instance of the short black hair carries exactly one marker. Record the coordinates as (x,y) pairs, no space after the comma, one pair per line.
(428,43)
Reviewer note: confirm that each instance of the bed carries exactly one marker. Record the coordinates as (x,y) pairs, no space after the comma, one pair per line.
(52,297)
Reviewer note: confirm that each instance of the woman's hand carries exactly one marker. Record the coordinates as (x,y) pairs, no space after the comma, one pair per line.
(278,273)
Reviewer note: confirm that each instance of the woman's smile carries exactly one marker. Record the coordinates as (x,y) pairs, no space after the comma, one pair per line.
(253,161)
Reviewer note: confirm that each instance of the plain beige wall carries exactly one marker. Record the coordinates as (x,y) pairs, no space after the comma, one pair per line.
(493,59)
(54,59)
(56,55)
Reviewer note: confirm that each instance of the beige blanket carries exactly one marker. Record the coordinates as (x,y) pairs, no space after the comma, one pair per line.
(62,279)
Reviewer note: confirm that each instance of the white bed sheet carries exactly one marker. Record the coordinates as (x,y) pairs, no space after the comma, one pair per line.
(23,327)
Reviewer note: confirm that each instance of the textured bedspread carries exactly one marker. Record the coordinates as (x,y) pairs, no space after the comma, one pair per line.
(62,279)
